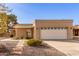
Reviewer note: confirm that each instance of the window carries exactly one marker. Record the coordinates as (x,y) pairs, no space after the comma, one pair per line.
(55,28)
(61,28)
(65,27)
(48,27)
(45,28)
(41,28)
(58,28)
(51,27)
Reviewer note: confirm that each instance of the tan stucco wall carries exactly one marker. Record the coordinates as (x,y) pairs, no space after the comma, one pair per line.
(37,24)
(53,23)
(70,33)
(21,32)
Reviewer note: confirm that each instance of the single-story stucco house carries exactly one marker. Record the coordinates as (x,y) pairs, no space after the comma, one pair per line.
(47,29)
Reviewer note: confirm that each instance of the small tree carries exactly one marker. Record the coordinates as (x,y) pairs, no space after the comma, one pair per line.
(3,18)
(7,20)
(12,20)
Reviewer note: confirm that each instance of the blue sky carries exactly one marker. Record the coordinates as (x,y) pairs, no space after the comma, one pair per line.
(27,12)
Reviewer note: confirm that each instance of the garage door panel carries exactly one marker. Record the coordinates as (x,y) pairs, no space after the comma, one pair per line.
(53,34)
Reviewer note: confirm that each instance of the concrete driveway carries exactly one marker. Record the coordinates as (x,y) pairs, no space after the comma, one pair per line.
(68,47)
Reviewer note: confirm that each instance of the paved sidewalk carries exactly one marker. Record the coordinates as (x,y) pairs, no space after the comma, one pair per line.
(8,42)
(18,49)
(70,48)
(16,45)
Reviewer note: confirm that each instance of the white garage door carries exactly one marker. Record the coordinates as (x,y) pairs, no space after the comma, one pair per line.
(53,34)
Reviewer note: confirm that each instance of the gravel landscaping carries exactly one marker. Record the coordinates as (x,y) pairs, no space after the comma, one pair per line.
(41,51)
(22,49)
(33,51)
(9,44)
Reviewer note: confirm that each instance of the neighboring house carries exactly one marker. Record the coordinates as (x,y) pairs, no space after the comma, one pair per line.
(76,31)
(47,29)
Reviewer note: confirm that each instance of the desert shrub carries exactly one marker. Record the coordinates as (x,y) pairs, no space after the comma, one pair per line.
(33,42)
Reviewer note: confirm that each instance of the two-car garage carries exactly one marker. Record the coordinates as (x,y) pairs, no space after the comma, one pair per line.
(53,33)
(53,29)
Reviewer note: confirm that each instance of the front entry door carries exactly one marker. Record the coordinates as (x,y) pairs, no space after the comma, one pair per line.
(28,34)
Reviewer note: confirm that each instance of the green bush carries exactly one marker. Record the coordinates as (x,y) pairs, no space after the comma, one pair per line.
(34,42)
